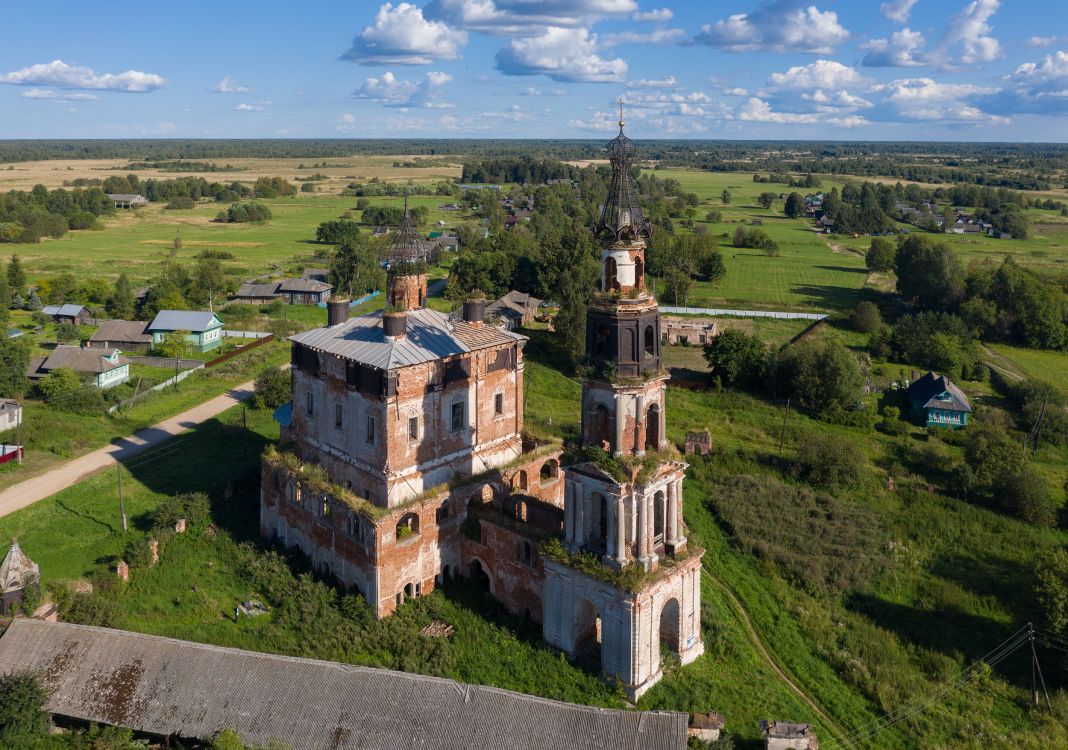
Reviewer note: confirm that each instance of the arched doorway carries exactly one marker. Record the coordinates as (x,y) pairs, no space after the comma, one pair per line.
(600,425)
(478,575)
(587,635)
(519,481)
(652,428)
(671,626)
(610,282)
(550,470)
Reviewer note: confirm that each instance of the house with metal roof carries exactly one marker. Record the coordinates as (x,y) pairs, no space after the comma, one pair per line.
(256,294)
(937,401)
(103,368)
(204,329)
(164,688)
(128,200)
(513,310)
(127,335)
(69,313)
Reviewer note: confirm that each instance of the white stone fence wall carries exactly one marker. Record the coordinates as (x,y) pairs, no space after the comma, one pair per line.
(742,313)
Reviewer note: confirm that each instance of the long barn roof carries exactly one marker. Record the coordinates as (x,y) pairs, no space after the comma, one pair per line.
(163,686)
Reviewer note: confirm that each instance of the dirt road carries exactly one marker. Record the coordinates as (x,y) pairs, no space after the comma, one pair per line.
(39,487)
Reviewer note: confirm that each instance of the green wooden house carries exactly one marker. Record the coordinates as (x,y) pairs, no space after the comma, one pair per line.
(938,402)
(204,329)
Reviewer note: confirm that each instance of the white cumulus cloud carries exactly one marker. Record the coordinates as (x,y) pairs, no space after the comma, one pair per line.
(657,15)
(229,86)
(653,83)
(967,39)
(252,106)
(561,54)
(903,49)
(929,100)
(402,36)
(56,96)
(395,92)
(524,17)
(61,75)
(819,74)
(897,10)
(778,26)
(659,36)
(346,123)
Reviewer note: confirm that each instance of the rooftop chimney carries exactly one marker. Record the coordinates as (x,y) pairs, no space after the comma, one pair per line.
(474,311)
(337,312)
(395,324)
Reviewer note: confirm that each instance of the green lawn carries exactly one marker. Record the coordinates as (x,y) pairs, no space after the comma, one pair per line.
(1045,365)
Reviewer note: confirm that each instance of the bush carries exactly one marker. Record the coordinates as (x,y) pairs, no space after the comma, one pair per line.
(866,318)
(736,357)
(194,507)
(181,202)
(273,388)
(829,461)
(819,375)
(59,383)
(22,715)
(1027,496)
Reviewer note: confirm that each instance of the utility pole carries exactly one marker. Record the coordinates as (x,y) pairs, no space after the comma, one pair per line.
(122,502)
(1036,669)
(782,433)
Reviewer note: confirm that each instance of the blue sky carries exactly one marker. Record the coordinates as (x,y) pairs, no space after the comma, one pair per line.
(867,70)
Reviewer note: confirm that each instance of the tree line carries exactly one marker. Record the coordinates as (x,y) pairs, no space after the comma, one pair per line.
(31,216)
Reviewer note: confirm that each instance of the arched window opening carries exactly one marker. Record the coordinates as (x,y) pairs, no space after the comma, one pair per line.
(519,481)
(600,505)
(603,345)
(408,526)
(478,575)
(671,625)
(659,516)
(650,341)
(525,553)
(610,282)
(639,273)
(600,426)
(652,428)
(550,470)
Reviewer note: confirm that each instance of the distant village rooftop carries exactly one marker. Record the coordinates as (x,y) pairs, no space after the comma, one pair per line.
(166,687)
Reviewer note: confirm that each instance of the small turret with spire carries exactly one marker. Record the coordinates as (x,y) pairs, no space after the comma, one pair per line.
(408,253)
(18,574)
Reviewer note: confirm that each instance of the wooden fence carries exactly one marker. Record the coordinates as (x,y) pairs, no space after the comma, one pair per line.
(239,350)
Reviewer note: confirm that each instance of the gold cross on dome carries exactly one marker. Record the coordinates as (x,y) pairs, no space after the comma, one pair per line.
(621,113)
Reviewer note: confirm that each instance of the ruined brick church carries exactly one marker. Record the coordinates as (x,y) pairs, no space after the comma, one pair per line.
(402,462)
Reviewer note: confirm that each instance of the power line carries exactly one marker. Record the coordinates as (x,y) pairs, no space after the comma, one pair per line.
(1001,652)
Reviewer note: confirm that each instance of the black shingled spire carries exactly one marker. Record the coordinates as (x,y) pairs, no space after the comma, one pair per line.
(622,217)
(408,245)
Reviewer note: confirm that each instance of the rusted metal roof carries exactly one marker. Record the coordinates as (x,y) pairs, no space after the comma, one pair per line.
(430,336)
(163,686)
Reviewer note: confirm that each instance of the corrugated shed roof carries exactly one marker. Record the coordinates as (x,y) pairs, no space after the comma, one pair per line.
(123,330)
(195,321)
(68,310)
(269,289)
(430,336)
(164,686)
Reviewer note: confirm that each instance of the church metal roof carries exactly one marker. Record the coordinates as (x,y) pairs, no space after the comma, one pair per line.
(164,687)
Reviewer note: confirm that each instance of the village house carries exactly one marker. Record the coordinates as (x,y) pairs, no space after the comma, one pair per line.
(18,574)
(316,274)
(379,231)
(402,462)
(127,335)
(104,368)
(304,291)
(938,402)
(513,310)
(69,313)
(204,329)
(166,689)
(256,294)
(10,414)
(128,200)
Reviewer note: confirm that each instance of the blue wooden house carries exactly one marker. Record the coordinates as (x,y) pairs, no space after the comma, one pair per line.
(938,402)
